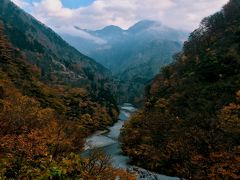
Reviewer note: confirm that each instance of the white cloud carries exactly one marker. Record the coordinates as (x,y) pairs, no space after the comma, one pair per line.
(181,14)
(79,33)
(23,4)
(51,9)
(20,3)
(189,13)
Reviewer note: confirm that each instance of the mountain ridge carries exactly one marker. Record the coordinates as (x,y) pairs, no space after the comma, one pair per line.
(57,63)
(144,47)
(45,36)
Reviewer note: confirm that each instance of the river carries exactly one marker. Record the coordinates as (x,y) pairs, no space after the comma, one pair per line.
(108,141)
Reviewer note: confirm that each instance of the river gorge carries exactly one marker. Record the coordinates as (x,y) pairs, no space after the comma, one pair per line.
(109,143)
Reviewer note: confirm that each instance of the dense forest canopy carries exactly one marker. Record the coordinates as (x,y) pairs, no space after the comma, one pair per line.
(44,122)
(190,123)
(41,130)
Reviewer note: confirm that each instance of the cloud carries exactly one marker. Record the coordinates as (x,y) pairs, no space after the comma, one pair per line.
(23,4)
(20,3)
(76,32)
(180,14)
(187,14)
(51,8)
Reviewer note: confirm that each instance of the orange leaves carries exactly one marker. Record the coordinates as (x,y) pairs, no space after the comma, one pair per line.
(225,165)
(229,118)
(31,134)
(238,95)
(33,140)
(29,129)
(76,92)
(33,143)
(25,146)
(21,114)
(97,166)
(161,104)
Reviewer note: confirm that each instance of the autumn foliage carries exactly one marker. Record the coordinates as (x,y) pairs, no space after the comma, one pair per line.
(43,127)
(189,126)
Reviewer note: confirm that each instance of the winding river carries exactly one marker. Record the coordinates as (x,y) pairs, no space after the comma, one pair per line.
(108,141)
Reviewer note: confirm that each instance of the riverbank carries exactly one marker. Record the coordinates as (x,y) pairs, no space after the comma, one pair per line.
(108,141)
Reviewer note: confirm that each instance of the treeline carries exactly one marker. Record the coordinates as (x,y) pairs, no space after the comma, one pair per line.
(190,125)
(42,127)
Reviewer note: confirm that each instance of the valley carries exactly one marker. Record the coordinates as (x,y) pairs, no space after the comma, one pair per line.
(148,101)
(109,143)
(134,56)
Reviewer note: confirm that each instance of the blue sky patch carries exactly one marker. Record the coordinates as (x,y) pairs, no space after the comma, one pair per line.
(73,4)
(76,3)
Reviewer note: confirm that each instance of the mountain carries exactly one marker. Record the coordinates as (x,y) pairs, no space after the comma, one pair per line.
(108,32)
(40,142)
(46,49)
(189,126)
(51,98)
(75,78)
(133,54)
(123,49)
(142,26)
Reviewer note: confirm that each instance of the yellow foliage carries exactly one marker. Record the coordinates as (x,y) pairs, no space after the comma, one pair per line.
(229,119)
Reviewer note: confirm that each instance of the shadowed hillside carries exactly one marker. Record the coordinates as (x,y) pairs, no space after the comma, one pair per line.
(190,123)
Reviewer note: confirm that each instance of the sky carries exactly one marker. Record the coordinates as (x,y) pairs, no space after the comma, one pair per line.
(63,15)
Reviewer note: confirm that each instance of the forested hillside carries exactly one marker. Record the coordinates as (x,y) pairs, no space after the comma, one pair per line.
(39,138)
(83,85)
(51,98)
(189,126)
(59,63)
(44,48)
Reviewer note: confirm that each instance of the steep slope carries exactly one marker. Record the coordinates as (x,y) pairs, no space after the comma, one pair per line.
(189,126)
(58,64)
(133,55)
(39,142)
(44,48)
(48,108)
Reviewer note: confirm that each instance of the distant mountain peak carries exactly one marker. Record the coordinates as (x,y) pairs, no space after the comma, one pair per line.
(108,30)
(146,22)
(112,27)
(143,25)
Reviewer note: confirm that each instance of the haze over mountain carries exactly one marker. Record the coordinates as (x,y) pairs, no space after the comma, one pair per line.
(95,14)
(119,49)
(133,55)
(45,48)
